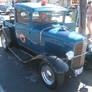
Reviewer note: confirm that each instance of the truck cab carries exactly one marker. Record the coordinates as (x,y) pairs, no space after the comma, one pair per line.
(41,29)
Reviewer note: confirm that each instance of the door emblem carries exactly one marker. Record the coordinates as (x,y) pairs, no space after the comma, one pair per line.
(22,38)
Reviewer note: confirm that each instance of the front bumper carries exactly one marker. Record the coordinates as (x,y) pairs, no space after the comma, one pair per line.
(78,71)
(74,73)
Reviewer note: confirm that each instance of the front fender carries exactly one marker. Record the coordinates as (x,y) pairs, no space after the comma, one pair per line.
(58,65)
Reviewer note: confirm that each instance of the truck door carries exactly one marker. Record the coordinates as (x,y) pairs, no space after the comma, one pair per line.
(36,34)
(22,26)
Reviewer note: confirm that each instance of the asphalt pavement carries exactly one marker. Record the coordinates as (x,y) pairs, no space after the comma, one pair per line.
(18,77)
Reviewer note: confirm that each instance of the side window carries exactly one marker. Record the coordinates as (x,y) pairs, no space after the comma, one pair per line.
(22,16)
(36,17)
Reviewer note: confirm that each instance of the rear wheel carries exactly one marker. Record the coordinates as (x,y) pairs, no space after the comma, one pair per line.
(49,77)
(4,42)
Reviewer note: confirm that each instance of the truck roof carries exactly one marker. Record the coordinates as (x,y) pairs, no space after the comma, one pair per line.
(39,7)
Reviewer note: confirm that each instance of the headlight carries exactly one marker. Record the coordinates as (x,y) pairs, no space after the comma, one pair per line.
(70,55)
(90,47)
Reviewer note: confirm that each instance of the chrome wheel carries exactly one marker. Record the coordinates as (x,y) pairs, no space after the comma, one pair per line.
(3,41)
(47,75)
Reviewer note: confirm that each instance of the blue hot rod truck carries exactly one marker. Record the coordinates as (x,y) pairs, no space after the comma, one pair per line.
(39,32)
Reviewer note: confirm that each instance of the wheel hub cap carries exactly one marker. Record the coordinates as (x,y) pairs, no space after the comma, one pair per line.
(47,75)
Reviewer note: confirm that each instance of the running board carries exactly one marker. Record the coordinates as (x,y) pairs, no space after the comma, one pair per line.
(23,56)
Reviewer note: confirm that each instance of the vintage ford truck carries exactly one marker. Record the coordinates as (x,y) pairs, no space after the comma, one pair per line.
(40,31)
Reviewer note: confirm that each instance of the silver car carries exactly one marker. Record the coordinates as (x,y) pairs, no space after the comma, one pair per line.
(6,8)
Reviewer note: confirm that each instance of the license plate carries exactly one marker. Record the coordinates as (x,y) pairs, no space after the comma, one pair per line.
(78,71)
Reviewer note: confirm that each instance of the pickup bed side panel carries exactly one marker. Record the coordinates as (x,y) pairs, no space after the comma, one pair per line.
(10,28)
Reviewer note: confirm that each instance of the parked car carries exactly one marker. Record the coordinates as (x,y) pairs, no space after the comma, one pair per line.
(44,32)
(1,22)
(6,8)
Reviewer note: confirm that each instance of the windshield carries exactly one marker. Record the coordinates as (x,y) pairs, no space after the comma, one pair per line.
(48,17)
(54,17)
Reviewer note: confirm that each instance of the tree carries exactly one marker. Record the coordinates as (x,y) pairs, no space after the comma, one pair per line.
(83,9)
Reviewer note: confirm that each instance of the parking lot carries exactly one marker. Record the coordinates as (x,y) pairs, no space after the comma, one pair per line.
(18,77)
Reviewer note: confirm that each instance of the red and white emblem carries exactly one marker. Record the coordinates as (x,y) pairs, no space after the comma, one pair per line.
(22,38)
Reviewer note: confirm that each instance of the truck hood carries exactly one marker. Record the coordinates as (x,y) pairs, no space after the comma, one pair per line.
(68,37)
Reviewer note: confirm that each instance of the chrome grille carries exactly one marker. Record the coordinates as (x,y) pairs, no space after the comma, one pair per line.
(79,50)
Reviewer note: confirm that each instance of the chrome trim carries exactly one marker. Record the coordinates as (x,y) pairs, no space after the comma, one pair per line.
(42,32)
(81,55)
(47,75)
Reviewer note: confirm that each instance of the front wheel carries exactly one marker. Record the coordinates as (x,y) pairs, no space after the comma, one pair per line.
(49,77)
